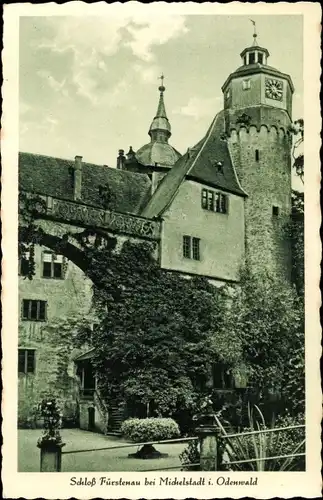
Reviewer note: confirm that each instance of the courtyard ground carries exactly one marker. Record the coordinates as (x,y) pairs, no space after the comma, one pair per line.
(95,461)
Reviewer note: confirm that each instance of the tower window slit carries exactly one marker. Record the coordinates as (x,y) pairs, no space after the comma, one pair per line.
(257,154)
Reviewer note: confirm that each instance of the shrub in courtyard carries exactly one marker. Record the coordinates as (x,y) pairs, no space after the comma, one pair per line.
(149,429)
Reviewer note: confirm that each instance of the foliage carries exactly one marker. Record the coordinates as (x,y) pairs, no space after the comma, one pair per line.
(190,455)
(150,429)
(27,414)
(50,411)
(296,234)
(263,445)
(154,341)
(297,129)
(268,317)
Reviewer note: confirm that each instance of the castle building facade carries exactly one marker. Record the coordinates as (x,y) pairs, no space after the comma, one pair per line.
(222,204)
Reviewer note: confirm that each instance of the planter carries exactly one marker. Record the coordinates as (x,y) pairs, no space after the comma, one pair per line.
(50,456)
(147,452)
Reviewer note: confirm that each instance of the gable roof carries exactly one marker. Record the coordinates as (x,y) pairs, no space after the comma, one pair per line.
(198,164)
(54,177)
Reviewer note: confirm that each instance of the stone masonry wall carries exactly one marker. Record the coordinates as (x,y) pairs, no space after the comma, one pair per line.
(267,182)
(54,344)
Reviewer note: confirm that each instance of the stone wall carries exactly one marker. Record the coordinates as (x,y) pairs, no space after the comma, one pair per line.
(266,177)
(52,340)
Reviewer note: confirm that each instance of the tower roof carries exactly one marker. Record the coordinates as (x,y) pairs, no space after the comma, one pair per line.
(160,122)
(158,152)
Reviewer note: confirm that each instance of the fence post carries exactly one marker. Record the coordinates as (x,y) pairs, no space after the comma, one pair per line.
(209,447)
(50,457)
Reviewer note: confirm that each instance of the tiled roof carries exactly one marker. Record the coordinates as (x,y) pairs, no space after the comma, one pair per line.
(201,164)
(54,177)
(160,153)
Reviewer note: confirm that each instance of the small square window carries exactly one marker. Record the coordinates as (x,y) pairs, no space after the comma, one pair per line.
(275,211)
(246,84)
(34,310)
(52,265)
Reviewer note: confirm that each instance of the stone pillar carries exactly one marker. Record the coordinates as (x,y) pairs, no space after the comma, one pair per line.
(209,447)
(51,457)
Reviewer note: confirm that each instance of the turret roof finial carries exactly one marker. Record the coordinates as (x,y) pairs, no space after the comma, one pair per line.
(161,88)
(254,32)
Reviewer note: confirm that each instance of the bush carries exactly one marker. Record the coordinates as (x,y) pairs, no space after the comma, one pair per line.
(191,455)
(150,429)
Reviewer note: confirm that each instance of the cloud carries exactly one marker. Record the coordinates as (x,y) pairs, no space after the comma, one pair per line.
(91,40)
(149,31)
(147,74)
(199,107)
(59,87)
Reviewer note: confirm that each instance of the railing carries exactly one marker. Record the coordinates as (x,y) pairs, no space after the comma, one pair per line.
(288,458)
(87,393)
(51,458)
(210,457)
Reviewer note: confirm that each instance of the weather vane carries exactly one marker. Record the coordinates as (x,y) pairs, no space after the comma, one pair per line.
(254,31)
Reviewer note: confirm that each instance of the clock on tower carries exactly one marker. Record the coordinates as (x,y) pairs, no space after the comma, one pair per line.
(274,89)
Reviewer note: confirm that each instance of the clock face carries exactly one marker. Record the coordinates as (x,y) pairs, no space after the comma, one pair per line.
(274,89)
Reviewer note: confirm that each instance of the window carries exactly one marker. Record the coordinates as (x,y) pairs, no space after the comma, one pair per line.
(24,264)
(245,60)
(260,58)
(191,247)
(204,198)
(214,202)
(210,200)
(26,360)
(52,265)
(257,154)
(34,310)
(196,248)
(187,247)
(275,211)
(252,59)
(246,84)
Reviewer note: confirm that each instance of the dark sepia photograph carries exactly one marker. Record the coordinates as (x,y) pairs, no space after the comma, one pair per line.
(161,245)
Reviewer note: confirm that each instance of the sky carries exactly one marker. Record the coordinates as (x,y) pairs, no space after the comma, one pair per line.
(89,85)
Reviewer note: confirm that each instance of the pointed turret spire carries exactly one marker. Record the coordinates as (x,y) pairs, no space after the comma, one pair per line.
(160,130)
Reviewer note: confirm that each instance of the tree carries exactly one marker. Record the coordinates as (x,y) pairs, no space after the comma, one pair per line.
(154,344)
(268,316)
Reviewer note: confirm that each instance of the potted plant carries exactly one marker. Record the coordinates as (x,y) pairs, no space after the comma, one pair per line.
(50,443)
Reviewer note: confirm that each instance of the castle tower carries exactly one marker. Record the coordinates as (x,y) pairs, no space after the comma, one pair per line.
(257,109)
(158,156)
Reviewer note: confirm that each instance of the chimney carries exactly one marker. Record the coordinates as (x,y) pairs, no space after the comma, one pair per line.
(121,159)
(78,178)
